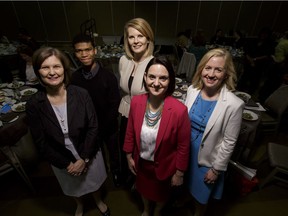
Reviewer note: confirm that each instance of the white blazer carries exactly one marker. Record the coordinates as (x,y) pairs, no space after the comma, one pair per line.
(222,130)
(126,66)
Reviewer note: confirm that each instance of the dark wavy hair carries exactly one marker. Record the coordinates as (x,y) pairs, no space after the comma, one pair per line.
(163,60)
(42,54)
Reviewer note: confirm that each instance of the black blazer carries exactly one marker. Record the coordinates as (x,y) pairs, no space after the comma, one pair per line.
(47,133)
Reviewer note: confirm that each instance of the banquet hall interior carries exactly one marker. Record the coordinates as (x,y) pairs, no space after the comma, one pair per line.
(54,23)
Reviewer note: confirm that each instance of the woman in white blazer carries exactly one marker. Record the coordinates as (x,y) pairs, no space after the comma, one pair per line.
(215,115)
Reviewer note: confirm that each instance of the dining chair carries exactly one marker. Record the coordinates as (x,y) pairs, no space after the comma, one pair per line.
(276,105)
(187,66)
(277,155)
(9,161)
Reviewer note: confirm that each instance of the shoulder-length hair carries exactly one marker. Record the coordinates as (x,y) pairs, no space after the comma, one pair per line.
(231,77)
(42,54)
(163,60)
(145,29)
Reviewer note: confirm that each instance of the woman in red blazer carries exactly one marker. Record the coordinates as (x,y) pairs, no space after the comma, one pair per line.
(158,136)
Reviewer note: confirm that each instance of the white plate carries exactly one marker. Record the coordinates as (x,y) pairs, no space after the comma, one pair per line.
(28,91)
(243,95)
(3,85)
(10,85)
(16,109)
(177,94)
(249,115)
(178,80)
(32,83)
(3,93)
(184,87)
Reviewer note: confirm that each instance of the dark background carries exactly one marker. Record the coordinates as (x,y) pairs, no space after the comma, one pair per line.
(56,22)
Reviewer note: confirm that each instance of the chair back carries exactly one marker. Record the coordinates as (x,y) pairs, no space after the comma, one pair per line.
(277,102)
(187,66)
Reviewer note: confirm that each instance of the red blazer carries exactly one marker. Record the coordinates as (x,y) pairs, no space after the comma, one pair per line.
(173,138)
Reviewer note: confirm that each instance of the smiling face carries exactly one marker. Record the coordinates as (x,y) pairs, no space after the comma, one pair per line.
(137,42)
(52,72)
(213,73)
(85,53)
(157,80)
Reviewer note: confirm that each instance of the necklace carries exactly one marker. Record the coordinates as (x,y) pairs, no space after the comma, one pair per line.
(152,118)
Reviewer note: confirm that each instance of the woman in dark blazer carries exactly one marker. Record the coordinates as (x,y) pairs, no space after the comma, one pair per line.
(64,127)
(157,137)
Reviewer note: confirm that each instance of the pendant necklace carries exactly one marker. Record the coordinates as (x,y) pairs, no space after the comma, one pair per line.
(61,113)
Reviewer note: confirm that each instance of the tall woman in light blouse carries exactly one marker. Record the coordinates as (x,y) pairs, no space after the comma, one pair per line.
(139,47)
(215,114)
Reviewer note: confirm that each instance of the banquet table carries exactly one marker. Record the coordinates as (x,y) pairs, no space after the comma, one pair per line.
(249,128)
(16,141)
(108,56)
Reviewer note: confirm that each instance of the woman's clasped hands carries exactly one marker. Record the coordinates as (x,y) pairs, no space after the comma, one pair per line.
(77,168)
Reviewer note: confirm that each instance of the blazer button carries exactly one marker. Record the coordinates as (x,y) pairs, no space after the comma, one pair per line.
(157,163)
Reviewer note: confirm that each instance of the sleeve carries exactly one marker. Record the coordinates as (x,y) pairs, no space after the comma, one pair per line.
(43,144)
(183,147)
(231,133)
(114,101)
(130,131)
(91,142)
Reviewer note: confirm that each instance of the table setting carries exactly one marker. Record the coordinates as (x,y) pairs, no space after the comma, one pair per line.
(13,97)
(251,116)
(181,87)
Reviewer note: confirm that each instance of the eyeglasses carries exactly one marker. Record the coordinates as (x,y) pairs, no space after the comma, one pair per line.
(84,50)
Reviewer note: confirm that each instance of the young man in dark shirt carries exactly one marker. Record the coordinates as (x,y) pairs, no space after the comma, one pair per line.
(103,88)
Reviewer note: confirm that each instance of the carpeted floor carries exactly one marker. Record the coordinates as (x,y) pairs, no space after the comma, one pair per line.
(17,200)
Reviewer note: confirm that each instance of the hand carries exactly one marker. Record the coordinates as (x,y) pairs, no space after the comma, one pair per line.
(131,165)
(76,168)
(210,177)
(177,180)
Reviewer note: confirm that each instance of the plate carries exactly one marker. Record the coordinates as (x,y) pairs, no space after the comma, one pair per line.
(178,80)
(3,93)
(249,115)
(244,96)
(11,85)
(28,91)
(3,85)
(19,107)
(177,94)
(32,82)
(184,87)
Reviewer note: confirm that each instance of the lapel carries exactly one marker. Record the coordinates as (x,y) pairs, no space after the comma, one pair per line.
(219,108)
(46,109)
(71,108)
(139,118)
(166,114)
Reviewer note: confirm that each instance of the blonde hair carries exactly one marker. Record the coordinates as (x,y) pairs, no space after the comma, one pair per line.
(145,29)
(231,77)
